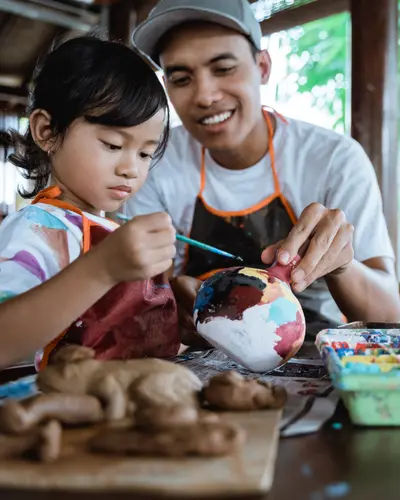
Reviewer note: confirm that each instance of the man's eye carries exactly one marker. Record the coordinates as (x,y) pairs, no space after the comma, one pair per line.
(184,80)
(112,147)
(225,70)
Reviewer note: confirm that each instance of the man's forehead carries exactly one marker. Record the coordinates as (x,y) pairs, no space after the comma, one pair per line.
(181,40)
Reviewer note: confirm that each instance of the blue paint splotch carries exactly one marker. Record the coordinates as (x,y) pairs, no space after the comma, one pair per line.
(43,218)
(282,311)
(204,297)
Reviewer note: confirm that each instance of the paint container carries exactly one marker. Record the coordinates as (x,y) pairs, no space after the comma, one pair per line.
(364,365)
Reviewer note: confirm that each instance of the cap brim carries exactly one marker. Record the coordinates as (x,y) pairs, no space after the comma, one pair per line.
(147,35)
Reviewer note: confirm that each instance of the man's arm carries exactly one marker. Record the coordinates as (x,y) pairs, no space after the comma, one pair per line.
(367,290)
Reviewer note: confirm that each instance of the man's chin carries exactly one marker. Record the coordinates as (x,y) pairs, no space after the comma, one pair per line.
(222,142)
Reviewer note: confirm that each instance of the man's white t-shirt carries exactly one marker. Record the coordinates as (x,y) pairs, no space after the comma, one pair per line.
(313,165)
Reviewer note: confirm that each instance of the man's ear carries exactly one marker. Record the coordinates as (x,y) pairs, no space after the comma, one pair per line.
(264,63)
(40,125)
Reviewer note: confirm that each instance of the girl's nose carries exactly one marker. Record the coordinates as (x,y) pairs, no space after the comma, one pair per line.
(128,169)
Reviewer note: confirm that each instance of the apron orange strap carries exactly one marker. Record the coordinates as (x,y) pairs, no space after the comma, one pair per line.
(271,150)
(202,171)
(50,196)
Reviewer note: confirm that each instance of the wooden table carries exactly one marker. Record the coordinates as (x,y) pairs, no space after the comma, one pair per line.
(339,462)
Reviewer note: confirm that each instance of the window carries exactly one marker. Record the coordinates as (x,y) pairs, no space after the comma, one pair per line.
(310,77)
(10,179)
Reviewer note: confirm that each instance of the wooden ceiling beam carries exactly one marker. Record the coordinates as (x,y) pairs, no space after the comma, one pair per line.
(295,16)
(121,20)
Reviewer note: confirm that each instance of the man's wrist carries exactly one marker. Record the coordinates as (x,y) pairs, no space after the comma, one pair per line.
(341,272)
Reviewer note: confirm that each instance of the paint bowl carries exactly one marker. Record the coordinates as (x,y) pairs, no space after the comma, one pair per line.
(251,315)
(364,365)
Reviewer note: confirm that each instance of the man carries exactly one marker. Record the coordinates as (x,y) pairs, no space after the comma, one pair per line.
(253,183)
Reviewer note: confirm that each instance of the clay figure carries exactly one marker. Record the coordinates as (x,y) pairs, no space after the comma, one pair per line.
(231,391)
(44,443)
(120,383)
(17,417)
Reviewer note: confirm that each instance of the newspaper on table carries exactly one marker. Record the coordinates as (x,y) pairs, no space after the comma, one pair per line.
(311,398)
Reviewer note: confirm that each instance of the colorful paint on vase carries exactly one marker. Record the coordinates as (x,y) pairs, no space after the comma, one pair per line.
(252,316)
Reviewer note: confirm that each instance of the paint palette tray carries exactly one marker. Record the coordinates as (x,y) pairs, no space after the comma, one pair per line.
(363,361)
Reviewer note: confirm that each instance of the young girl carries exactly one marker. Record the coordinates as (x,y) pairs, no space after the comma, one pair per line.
(98,117)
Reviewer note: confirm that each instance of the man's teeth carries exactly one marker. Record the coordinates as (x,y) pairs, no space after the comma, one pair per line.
(212,120)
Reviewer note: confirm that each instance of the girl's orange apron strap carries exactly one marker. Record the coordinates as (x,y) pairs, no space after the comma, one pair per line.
(50,195)
(48,349)
(51,192)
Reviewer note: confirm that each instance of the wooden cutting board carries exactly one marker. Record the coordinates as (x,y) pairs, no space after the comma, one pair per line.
(248,471)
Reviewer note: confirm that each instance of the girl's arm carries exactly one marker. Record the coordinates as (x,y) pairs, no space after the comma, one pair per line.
(140,249)
(31,320)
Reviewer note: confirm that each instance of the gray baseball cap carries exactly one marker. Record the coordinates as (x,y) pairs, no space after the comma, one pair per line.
(234,14)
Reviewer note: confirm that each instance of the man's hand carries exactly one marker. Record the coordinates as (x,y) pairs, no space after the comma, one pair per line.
(324,239)
(185,290)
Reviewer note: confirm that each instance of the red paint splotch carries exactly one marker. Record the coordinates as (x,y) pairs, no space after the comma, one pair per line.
(292,335)
(239,299)
(283,271)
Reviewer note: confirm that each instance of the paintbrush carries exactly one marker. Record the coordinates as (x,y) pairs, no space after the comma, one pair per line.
(195,243)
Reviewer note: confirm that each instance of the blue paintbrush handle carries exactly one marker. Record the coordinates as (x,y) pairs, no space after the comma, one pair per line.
(204,246)
(195,243)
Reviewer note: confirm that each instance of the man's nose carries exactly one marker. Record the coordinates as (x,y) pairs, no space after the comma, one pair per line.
(206,92)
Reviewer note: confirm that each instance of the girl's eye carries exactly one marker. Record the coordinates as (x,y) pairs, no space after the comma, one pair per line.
(145,156)
(111,147)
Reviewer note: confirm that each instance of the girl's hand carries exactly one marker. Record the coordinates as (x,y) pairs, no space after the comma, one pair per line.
(185,289)
(140,249)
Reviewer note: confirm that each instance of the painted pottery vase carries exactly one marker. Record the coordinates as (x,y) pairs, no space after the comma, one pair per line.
(251,315)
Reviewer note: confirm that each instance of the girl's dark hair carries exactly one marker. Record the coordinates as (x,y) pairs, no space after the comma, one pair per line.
(104,82)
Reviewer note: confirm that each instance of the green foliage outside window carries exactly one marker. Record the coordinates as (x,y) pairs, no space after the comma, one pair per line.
(318,59)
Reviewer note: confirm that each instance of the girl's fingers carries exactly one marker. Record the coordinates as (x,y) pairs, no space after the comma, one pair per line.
(158,268)
(157,221)
(160,238)
(161,254)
